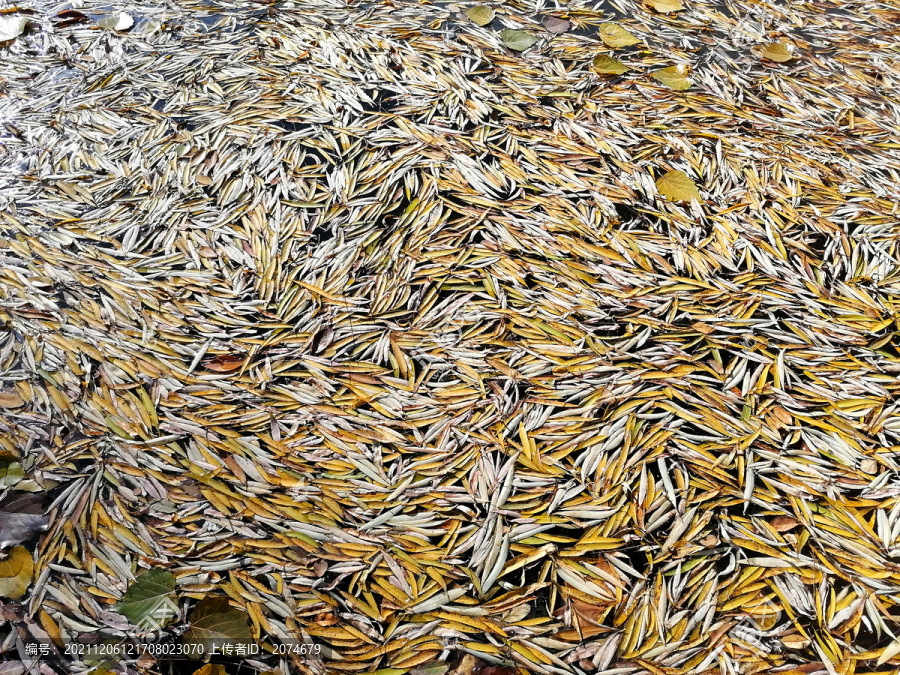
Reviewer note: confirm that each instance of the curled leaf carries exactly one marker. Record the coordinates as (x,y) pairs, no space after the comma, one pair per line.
(11,27)
(607,65)
(666,6)
(615,36)
(555,24)
(480,14)
(517,40)
(677,186)
(16,573)
(673,77)
(779,52)
(118,21)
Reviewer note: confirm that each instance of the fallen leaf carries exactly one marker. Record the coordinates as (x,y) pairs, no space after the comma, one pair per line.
(666,6)
(555,24)
(11,27)
(607,65)
(8,400)
(673,77)
(430,668)
(779,52)
(784,523)
(517,40)
(149,601)
(677,186)
(118,21)
(224,363)
(480,14)
(16,573)
(11,473)
(211,669)
(216,623)
(21,517)
(615,36)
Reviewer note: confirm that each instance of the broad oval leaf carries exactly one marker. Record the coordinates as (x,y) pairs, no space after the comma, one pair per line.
(779,52)
(16,573)
(666,6)
(149,601)
(215,623)
(607,65)
(7,399)
(430,668)
(117,21)
(615,36)
(677,186)
(480,14)
(11,473)
(21,518)
(211,669)
(555,24)
(673,77)
(224,363)
(517,40)
(11,27)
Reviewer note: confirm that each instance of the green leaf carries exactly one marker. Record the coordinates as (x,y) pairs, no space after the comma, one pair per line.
(673,77)
(10,473)
(779,52)
(666,6)
(430,668)
(677,186)
(615,36)
(480,14)
(607,65)
(215,623)
(517,40)
(149,601)
(16,573)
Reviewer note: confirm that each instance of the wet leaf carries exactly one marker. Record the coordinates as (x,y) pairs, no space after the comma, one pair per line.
(149,601)
(666,6)
(11,26)
(779,52)
(673,77)
(118,21)
(480,14)
(10,400)
(215,623)
(21,517)
(11,473)
(615,36)
(555,24)
(16,573)
(517,40)
(607,65)
(677,186)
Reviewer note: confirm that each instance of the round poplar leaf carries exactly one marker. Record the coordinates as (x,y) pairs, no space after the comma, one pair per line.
(555,24)
(216,623)
(11,27)
(673,77)
(117,21)
(677,186)
(149,601)
(666,6)
(615,36)
(480,14)
(16,573)
(11,473)
(517,40)
(607,65)
(779,52)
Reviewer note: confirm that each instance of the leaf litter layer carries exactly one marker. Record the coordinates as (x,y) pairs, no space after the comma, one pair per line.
(377,334)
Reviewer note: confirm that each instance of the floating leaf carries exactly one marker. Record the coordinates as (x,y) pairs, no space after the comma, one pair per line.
(607,65)
(16,573)
(666,6)
(615,36)
(430,668)
(11,27)
(889,652)
(555,24)
(8,400)
(224,363)
(149,601)
(673,77)
(21,518)
(215,623)
(11,473)
(118,21)
(480,14)
(517,40)
(677,186)
(779,52)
